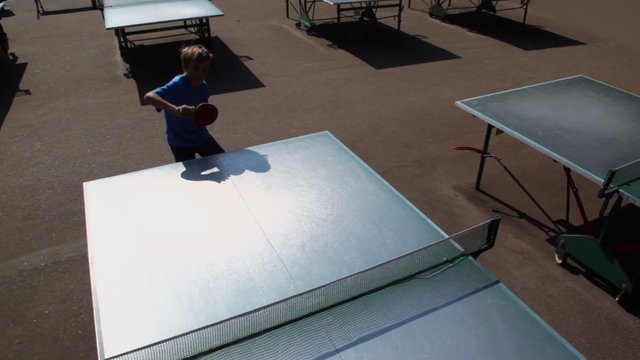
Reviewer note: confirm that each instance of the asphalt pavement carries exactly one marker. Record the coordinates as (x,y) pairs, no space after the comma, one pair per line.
(70,112)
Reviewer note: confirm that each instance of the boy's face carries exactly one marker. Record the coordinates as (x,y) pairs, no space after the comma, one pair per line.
(196,71)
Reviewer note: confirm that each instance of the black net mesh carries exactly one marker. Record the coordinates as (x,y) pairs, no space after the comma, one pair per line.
(626,174)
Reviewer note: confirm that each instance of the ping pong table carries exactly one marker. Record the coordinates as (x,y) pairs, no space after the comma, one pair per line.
(362,10)
(151,16)
(95,4)
(442,8)
(589,127)
(276,252)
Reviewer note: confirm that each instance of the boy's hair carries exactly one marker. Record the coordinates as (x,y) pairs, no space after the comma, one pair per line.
(195,53)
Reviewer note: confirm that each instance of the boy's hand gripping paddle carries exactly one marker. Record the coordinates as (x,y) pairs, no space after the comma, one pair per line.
(205,114)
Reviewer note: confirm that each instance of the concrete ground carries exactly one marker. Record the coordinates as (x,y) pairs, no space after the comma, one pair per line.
(389,97)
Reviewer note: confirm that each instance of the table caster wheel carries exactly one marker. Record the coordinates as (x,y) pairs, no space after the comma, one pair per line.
(560,255)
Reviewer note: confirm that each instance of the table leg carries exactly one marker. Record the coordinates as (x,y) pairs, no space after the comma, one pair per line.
(39,8)
(485,148)
(207,26)
(400,8)
(306,9)
(122,41)
(576,195)
(567,200)
(525,4)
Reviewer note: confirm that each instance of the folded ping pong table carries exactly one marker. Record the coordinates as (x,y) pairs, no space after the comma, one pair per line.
(236,255)
(589,127)
(362,10)
(151,16)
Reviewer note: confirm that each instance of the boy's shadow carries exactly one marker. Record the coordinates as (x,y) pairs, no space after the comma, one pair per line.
(11,73)
(221,167)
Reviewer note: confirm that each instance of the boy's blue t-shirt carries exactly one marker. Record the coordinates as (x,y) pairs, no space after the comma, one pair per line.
(182,131)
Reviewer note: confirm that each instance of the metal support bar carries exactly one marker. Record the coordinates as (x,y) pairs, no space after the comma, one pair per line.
(567,201)
(306,8)
(208,27)
(525,6)
(574,189)
(398,6)
(39,8)
(441,8)
(484,153)
(513,177)
(122,41)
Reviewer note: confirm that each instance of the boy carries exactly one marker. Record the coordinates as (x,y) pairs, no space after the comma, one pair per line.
(178,98)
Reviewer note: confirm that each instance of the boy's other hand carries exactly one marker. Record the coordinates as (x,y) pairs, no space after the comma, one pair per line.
(185,110)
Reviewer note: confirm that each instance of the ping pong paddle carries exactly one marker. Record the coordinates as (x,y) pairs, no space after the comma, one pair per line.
(205,114)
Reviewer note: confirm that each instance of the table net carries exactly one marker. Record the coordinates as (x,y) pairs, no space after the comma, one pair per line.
(621,176)
(469,242)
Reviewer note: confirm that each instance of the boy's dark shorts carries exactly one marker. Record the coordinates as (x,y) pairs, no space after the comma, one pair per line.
(210,147)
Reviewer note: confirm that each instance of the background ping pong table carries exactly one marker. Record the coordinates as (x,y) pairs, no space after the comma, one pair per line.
(589,127)
(362,10)
(151,16)
(442,8)
(40,10)
(177,248)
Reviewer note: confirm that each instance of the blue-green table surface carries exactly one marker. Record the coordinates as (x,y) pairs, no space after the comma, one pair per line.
(181,246)
(178,247)
(585,124)
(458,311)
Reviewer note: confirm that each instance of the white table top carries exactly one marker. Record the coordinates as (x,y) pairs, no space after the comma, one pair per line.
(126,13)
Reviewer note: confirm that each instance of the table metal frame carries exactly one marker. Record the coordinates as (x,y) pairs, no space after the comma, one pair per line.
(199,27)
(362,10)
(442,8)
(95,4)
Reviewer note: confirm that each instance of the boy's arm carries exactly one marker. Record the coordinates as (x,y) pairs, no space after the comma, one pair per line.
(151,98)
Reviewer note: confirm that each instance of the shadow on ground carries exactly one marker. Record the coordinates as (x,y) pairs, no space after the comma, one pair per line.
(61,7)
(379,45)
(617,235)
(154,65)
(549,227)
(11,73)
(515,33)
(621,236)
(45,12)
